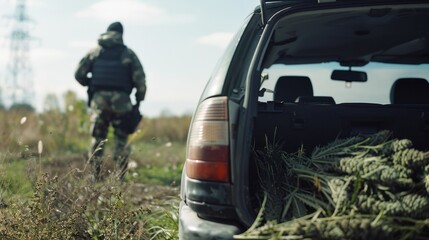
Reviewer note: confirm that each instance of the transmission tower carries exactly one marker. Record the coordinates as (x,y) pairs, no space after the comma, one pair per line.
(18,87)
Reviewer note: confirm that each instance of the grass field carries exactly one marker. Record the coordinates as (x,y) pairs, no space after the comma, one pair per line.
(45,189)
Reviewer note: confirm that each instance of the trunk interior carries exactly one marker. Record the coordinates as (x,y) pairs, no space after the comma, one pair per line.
(298,125)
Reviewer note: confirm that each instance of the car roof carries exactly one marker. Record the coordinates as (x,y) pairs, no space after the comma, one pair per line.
(270,7)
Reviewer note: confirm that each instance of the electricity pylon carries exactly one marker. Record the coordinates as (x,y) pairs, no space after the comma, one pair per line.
(18,84)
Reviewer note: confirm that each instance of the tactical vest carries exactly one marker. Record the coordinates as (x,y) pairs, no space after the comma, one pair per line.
(108,72)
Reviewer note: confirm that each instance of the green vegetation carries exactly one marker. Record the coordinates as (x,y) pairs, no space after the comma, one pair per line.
(45,185)
(162,163)
(13,180)
(357,188)
(70,207)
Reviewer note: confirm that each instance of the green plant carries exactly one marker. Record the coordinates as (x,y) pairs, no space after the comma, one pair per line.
(71,207)
(45,188)
(163,223)
(369,187)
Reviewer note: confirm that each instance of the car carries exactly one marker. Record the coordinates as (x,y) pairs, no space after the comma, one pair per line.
(302,72)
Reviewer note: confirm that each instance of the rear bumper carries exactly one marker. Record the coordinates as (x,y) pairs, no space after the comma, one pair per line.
(192,227)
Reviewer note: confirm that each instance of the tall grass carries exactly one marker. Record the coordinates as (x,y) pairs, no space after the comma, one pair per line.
(69,207)
(45,190)
(168,128)
(69,131)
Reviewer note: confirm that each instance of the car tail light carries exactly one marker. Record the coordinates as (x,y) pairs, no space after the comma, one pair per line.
(208,145)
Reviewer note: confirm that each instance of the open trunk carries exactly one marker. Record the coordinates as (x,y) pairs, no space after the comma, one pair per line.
(297,125)
(340,72)
(305,126)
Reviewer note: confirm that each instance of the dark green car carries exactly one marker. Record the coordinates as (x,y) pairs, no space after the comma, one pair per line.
(303,72)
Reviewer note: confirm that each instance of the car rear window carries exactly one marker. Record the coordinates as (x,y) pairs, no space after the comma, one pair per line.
(377,89)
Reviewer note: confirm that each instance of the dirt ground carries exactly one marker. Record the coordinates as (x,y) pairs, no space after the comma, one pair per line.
(137,193)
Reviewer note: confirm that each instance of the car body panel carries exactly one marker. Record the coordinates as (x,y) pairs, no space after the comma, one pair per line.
(213,210)
(193,227)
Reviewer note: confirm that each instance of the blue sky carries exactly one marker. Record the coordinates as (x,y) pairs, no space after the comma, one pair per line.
(178,43)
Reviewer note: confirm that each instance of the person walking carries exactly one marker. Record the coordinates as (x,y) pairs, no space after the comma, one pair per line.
(111,71)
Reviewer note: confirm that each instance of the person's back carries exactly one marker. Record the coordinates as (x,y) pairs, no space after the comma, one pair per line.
(111,71)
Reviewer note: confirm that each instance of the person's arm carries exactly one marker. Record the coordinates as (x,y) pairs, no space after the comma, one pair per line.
(138,77)
(84,67)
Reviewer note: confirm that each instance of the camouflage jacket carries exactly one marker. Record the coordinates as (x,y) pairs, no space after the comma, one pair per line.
(107,40)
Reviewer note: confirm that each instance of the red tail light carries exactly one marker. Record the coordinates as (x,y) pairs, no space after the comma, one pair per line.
(208,146)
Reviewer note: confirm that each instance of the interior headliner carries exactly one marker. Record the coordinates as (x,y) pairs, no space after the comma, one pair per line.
(389,34)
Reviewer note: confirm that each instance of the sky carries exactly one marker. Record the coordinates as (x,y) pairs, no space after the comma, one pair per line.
(178,43)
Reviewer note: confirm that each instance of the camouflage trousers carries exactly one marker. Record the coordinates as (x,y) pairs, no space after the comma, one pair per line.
(108,109)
